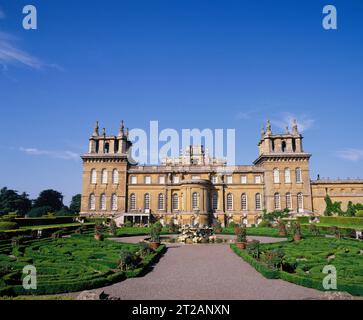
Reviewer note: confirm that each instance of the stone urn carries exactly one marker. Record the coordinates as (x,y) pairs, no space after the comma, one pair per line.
(297,237)
(154,245)
(241,245)
(98,237)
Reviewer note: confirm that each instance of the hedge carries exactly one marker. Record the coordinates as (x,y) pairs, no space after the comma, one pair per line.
(7,225)
(27,222)
(356,221)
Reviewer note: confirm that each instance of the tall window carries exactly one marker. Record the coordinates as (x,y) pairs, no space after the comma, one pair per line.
(195,201)
(229,201)
(257,179)
(92,202)
(214,179)
(162,180)
(244,179)
(93,176)
(114,202)
(215,201)
(104,176)
(288,201)
(287,175)
(103,202)
(132,201)
(300,202)
(175,202)
(276,174)
(133,180)
(229,179)
(277,201)
(258,201)
(146,201)
(176,179)
(244,202)
(115,176)
(161,201)
(298,175)
(147,180)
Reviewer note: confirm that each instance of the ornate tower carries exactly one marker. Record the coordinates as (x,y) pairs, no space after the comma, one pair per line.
(286,167)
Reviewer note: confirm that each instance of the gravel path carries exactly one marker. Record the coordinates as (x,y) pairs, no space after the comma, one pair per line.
(205,272)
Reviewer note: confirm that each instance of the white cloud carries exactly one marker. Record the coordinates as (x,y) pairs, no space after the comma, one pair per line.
(287,119)
(64,155)
(351,154)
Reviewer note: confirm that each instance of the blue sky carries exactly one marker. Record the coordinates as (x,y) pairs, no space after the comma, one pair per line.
(186,63)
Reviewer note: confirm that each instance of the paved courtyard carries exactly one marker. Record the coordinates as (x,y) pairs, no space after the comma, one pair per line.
(205,272)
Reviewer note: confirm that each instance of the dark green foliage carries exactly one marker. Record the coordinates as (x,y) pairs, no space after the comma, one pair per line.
(241,233)
(314,230)
(75,206)
(276,215)
(282,228)
(39,212)
(128,224)
(332,208)
(231,225)
(113,228)
(359,214)
(12,201)
(65,211)
(7,225)
(155,231)
(296,229)
(49,198)
(126,260)
(253,249)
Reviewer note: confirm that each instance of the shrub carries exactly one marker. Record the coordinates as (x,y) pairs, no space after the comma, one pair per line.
(7,225)
(241,234)
(314,230)
(296,229)
(264,224)
(144,249)
(126,260)
(231,225)
(274,258)
(282,228)
(155,231)
(128,224)
(173,227)
(39,212)
(217,227)
(113,228)
(359,214)
(253,249)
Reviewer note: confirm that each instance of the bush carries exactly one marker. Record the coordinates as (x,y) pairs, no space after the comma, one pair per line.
(264,224)
(7,225)
(126,260)
(217,227)
(155,231)
(231,225)
(359,214)
(113,228)
(253,249)
(241,234)
(128,224)
(39,212)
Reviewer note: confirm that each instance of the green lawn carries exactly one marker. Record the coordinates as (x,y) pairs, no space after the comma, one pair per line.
(303,262)
(66,264)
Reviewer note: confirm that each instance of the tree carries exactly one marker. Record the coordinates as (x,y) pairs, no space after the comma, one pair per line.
(49,198)
(11,201)
(75,205)
(39,212)
(332,208)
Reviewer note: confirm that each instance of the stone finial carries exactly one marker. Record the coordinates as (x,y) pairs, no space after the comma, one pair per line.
(263,132)
(122,129)
(295,129)
(287,131)
(104,132)
(127,132)
(268,128)
(96,130)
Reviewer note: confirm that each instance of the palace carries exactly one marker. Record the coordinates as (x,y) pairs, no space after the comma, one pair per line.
(198,189)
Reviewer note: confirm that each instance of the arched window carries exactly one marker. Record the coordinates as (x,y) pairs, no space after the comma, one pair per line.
(132,201)
(175,202)
(146,201)
(104,176)
(103,202)
(277,202)
(300,202)
(276,174)
(107,147)
(258,201)
(115,176)
(195,201)
(92,202)
(298,175)
(283,146)
(114,202)
(215,201)
(287,175)
(161,201)
(288,201)
(229,201)
(93,176)
(244,202)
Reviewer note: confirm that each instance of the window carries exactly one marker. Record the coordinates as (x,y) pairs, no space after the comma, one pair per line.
(287,175)
(161,180)
(176,179)
(244,179)
(92,202)
(300,202)
(276,174)
(229,201)
(103,202)
(215,201)
(195,201)
(146,201)
(107,147)
(115,176)
(288,201)
(243,202)
(133,180)
(93,176)
(257,179)
(277,202)
(175,202)
(298,175)
(229,179)
(283,146)
(161,201)
(147,180)
(132,201)
(104,176)
(195,177)
(114,202)
(214,179)
(258,201)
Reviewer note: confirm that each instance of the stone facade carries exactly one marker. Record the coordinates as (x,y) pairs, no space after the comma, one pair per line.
(196,188)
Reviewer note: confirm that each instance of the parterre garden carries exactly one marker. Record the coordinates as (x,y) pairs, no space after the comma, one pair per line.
(70,264)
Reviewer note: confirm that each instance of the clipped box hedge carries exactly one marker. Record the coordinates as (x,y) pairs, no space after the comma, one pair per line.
(28,222)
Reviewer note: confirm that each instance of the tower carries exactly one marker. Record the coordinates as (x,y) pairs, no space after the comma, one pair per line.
(286,170)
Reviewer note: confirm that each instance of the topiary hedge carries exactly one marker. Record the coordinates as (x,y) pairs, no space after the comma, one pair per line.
(7,225)
(356,221)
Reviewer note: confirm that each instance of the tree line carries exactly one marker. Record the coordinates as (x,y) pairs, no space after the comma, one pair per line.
(48,201)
